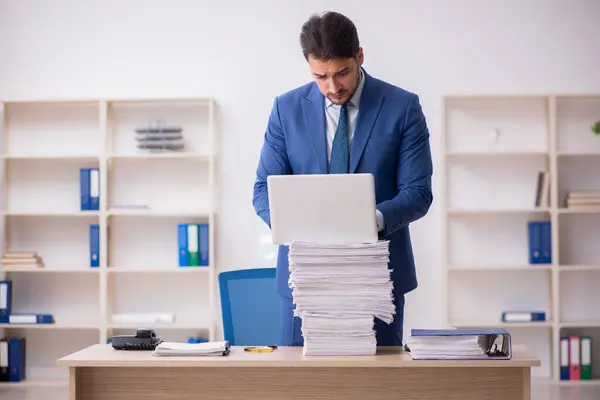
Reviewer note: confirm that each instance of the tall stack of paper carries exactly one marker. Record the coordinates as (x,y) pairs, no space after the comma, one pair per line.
(338,290)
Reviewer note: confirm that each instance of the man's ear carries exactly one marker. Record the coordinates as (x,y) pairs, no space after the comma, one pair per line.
(360,57)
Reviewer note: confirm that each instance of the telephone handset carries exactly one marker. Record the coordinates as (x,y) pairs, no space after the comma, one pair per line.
(144,339)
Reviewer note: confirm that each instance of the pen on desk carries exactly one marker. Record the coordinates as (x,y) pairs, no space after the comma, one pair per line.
(260,349)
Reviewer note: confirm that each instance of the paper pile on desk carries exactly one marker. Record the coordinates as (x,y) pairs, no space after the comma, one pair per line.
(446,347)
(460,344)
(338,291)
(218,348)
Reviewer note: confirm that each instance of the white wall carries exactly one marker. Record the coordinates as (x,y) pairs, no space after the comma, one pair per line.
(247,55)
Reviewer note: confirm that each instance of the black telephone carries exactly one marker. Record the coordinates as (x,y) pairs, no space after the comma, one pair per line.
(144,339)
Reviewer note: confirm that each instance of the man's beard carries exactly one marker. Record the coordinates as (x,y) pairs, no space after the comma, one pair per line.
(337,102)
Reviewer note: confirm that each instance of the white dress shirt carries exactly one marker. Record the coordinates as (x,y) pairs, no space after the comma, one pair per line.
(332,117)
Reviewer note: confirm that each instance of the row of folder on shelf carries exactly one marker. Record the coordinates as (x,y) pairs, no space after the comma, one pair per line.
(193,244)
(192,238)
(7,316)
(575,357)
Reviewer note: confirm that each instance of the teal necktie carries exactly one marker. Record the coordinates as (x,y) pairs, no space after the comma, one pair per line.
(340,147)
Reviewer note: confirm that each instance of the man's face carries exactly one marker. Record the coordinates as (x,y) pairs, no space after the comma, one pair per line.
(338,78)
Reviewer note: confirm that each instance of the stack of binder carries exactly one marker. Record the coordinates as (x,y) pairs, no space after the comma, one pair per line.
(338,291)
(158,136)
(22,259)
(457,344)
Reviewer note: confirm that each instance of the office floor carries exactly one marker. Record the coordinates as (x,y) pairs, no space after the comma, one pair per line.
(544,391)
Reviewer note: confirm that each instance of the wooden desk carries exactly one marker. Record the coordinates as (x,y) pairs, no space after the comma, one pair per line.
(101,373)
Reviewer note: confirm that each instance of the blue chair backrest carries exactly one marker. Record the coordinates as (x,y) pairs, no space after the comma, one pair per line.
(250,307)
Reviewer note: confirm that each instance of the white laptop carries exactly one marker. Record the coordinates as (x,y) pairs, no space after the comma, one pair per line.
(323,208)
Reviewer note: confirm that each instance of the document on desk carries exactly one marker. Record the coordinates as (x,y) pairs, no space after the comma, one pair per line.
(338,291)
(219,348)
(459,344)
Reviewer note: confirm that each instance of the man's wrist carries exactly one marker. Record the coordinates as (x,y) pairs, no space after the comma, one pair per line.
(380,221)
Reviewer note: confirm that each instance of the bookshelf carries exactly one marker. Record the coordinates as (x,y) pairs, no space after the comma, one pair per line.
(493,149)
(144,195)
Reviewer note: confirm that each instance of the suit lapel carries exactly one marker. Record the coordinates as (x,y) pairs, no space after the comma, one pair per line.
(369,106)
(313,108)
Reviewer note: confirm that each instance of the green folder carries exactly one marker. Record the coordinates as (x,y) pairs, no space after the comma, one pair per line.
(193,253)
(586,358)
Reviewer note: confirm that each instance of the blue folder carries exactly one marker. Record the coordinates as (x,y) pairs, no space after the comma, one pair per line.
(5,301)
(497,341)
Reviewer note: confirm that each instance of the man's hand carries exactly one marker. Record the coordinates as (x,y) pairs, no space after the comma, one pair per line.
(380,221)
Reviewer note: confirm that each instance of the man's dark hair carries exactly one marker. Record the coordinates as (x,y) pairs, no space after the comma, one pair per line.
(329,36)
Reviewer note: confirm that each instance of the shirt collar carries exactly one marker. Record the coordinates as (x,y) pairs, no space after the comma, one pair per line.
(355,99)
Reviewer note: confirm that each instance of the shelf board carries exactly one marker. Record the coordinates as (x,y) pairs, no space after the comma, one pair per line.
(51,157)
(161,100)
(580,324)
(575,268)
(579,210)
(495,96)
(50,326)
(88,270)
(496,153)
(89,100)
(498,211)
(165,270)
(160,326)
(162,156)
(132,212)
(51,213)
(123,212)
(500,268)
(577,154)
(500,324)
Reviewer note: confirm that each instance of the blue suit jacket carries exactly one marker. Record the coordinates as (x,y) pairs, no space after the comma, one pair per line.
(391,141)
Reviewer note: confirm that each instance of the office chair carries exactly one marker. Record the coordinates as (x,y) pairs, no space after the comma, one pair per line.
(250,307)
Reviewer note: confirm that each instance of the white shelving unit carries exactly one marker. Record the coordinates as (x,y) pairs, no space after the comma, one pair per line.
(490,182)
(45,143)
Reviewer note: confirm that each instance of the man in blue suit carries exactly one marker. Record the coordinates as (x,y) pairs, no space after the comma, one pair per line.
(347,121)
